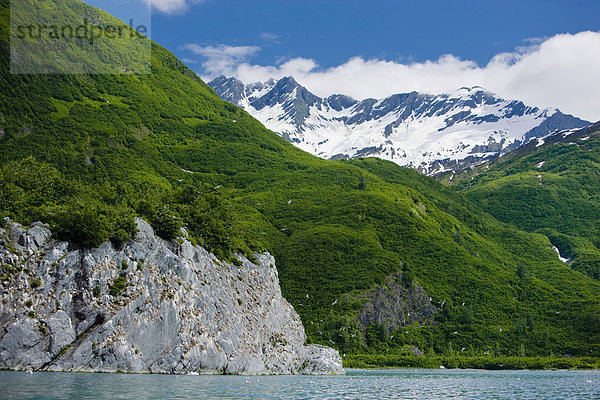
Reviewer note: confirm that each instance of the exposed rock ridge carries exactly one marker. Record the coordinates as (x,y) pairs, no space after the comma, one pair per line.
(181,310)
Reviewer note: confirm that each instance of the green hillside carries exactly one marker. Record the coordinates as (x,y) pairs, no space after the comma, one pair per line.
(87,153)
(553,189)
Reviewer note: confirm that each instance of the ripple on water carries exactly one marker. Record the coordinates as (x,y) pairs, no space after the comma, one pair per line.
(389,384)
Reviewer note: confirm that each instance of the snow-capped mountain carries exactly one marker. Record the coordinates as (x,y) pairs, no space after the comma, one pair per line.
(431,133)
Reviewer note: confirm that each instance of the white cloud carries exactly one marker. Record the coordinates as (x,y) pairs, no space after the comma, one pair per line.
(561,71)
(222,59)
(172,6)
(269,37)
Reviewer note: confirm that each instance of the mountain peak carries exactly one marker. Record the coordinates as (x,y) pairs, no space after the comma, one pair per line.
(340,101)
(288,80)
(230,89)
(287,84)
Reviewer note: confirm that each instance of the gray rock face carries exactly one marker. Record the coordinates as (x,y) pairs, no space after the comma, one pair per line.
(396,305)
(556,122)
(230,88)
(321,360)
(149,307)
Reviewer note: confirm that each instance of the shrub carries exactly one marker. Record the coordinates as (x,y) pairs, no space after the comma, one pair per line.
(117,286)
(87,221)
(166,223)
(210,219)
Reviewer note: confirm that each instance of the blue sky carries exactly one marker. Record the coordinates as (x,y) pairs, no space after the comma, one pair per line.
(334,31)
(328,44)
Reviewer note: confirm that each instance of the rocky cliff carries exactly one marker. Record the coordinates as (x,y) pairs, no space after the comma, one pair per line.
(151,306)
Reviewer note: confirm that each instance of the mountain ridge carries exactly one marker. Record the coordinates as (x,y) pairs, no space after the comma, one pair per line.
(428,132)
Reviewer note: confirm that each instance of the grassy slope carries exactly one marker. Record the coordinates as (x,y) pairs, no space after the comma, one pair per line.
(560,198)
(336,228)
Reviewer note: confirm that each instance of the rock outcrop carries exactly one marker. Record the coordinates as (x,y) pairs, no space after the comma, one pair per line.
(395,305)
(151,306)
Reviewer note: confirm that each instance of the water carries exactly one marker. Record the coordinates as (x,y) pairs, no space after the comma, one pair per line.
(357,384)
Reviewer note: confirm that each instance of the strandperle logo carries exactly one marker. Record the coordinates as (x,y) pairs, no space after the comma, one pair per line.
(71,37)
(84,31)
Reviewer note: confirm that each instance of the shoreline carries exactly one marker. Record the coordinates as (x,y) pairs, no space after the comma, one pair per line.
(346,369)
(385,361)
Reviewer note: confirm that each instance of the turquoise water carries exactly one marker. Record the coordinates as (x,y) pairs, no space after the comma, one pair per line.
(357,384)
